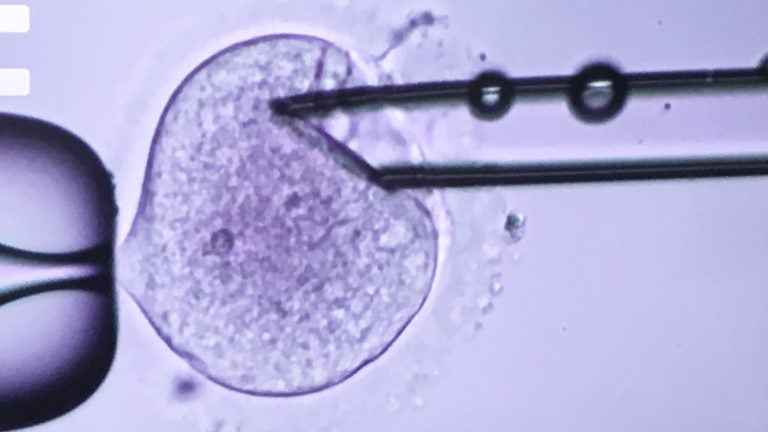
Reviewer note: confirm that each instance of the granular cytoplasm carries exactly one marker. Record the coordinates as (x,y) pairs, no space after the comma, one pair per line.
(260,252)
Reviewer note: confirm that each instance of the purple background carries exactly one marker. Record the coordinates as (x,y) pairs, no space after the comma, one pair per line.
(626,307)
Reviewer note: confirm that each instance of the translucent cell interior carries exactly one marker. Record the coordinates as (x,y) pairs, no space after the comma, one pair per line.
(631,306)
(260,252)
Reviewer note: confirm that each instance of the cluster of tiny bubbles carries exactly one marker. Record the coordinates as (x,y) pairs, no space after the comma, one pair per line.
(418,401)
(490,95)
(485,304)
(416,30)
(412,395)
(496,287)
(260,253)
(597,93)
(393,403)
(498,253)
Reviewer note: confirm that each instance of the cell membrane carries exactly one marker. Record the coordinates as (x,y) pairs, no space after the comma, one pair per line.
(260,252)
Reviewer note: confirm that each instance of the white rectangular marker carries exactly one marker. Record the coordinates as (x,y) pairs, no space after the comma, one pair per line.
(14,18)
(14,82)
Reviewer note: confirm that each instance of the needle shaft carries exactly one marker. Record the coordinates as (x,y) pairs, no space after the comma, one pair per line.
(445,91)
(469,175)
(465,175)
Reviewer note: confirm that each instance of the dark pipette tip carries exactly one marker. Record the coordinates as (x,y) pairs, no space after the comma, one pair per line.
(280,106)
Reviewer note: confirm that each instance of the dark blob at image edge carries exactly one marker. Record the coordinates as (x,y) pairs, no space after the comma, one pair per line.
(57,363)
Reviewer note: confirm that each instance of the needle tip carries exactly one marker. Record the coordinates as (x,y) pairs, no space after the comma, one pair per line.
(280,106)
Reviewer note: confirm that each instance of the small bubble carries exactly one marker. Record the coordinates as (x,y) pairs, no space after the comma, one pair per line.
(457,315)
(485,304)
(490,95)
(488,308)
(515,226)
(496,287)
(393,403)
(598,94)
(492,251)
(418,401)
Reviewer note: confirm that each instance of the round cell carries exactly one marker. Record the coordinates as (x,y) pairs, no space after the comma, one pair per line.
(260,252)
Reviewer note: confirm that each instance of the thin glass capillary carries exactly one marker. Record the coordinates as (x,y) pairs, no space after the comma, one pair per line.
(355,97)
(472,175)
(318,102)
(425,175)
